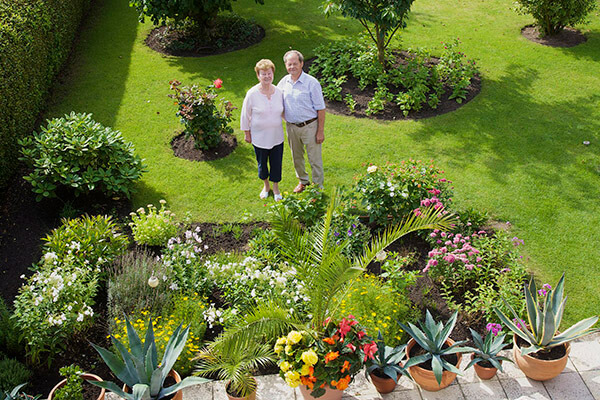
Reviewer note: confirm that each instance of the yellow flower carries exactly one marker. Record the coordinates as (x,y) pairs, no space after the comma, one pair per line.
(281,341)
(278,349)
(292,378)
(285,366)
(305,370)
(288,349)
(294,337)
(310,358)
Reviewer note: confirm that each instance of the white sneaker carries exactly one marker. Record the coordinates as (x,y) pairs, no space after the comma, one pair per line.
(263,195)
(278,197)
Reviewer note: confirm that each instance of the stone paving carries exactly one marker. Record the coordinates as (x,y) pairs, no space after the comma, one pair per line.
(579,381)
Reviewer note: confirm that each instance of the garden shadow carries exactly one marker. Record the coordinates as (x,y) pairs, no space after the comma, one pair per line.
(590,50)
(522,134)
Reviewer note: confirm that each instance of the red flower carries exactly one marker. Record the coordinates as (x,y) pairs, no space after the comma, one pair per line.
(351,347)
(345,327)
(369,349)
(218,83)
(360,334)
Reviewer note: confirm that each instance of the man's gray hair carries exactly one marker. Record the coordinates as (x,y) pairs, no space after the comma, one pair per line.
(296,52)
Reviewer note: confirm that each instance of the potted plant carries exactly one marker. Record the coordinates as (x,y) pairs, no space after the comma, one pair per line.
(71,388)
(385,368)
(235,367)
(485,358)
(16,394)
(539,349)
(323,364)
(137,366)
(432,348)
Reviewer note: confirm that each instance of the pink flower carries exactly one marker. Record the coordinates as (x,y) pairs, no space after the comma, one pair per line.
(351,347)
(417,212)
(360,334)
(469,267)
(450,258)
(218,83)
(369,349)
(494,328)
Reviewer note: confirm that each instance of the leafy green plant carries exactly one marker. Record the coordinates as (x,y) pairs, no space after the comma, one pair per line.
(263,246)
(307,207)
(553,16)
(432,338)
(203,118)
(16,394)
(386,361)
(154,227)
(77,153)
(72,389)
(545,309)
(350,102)
(394,270)
(381,97)
(10,341)
(12,373)
(137,364)
(487,350)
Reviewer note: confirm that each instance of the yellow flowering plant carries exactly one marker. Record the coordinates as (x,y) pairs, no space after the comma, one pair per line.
(330,360)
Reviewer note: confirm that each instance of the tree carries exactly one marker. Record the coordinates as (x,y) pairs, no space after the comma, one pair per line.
(381,18)
(202,12)
(551,16)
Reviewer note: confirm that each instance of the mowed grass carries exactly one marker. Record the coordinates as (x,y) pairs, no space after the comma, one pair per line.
(515,151)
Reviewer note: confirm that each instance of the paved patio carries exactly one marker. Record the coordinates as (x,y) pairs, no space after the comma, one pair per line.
(579,381)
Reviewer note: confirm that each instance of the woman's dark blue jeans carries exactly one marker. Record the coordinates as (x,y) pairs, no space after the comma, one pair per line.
(269,162)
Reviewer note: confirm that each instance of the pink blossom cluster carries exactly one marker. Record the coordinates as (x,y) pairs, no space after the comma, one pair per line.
(544,290)
(456,249)
(494,328)
(431,202)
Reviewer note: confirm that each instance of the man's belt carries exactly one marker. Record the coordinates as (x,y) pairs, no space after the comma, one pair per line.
(301,124)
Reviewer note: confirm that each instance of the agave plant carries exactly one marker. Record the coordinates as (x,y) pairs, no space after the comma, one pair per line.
(544,315)
(16,394)
(432,338)
(487,349)
(138,368)
(386,360)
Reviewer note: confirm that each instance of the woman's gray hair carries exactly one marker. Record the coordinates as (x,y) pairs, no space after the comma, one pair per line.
(296,52)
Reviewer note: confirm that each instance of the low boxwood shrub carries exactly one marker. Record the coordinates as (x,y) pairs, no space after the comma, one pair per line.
(12,373)
(10,342)
(78,153)
(153,227)
(552,16)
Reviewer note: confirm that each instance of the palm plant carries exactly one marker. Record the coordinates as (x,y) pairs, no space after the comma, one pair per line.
(432,338)
(544,319)
(386,360)
(138,368)
(487,349)
(323,269)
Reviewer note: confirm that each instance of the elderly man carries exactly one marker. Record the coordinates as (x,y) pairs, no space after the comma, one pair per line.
(305,118)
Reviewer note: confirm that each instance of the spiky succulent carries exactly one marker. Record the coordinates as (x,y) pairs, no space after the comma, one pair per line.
(138,368)
(432,338)
(386,360)
(487,349)
(544,314)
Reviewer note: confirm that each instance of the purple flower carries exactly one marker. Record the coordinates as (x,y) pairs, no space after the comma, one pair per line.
(353,226)
(336,234)
(516,241)
(519,322)
(494,328)
(547,286)
(349,232)
(503,270)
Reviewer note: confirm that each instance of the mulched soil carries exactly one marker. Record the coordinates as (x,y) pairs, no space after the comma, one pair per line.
(417,350)
(185,148)
(392,111)
(160,39)
(568,37)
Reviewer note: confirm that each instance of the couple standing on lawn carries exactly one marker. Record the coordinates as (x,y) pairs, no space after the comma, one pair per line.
(297,98)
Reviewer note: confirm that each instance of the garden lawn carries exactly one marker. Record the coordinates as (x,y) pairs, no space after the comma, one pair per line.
(515,151)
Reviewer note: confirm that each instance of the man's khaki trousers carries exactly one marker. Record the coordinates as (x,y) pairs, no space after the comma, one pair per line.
(298,138)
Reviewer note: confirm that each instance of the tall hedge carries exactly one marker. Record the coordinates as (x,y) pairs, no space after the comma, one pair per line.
(35,39)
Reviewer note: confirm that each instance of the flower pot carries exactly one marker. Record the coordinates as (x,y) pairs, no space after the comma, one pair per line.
(173,374)
(383,385)
(540,370)
(424,377)
(251,396)
(330,394)
(89,377)
(484,372)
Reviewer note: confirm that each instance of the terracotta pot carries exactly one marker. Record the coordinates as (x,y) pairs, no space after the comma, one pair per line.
(484,372)
(173,374)
(383,385)
(89,377)
(424,377)
(330,394)
(251,396)
(539,370)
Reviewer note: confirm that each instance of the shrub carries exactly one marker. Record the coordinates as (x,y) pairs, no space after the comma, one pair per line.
(12,373)
(307,207)
(203,118)
(35,40)
(475,272)
(128,286)
(72,389)
(264,247)
(346,226)
(78,153)
(155,227)
(392,191)
(10,342)
(552,16)
(377,307)
(394,270)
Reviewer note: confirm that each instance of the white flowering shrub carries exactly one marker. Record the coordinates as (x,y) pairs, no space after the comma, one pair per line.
(153,227)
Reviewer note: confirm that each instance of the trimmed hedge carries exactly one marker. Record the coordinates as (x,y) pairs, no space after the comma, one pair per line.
(35,40)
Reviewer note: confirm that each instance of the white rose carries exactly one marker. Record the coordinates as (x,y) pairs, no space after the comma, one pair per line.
(371,169)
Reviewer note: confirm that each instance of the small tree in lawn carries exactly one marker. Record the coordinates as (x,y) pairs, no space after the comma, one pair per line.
(551,16)
(381,18)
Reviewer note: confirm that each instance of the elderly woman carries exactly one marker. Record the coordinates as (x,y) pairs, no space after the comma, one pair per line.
(261,118)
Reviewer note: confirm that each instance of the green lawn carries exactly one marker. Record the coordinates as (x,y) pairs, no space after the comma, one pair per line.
(515,150)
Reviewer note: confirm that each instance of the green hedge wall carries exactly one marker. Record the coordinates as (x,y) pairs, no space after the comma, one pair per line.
(35,40)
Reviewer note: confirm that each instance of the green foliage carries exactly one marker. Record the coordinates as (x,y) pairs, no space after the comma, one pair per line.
(432,338)
(136,365)
(307,207)
(263,247)
(80,154)
(552,16)
(487,350)
(155,227)
(10,342)
(381,97)
(202,117)
(544,314)
(386,361)
(35,40)
(380,18)
(16,394)
(350,102)
(394,270)
(12,373)
(72,389)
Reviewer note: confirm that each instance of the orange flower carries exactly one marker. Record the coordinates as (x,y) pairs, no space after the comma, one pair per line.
(311,371)
(346,366)
(332,355)
(329,340)
(343,383)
